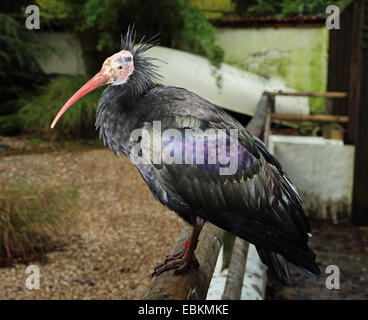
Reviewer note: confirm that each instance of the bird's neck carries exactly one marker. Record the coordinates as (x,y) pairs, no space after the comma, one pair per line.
(118,114)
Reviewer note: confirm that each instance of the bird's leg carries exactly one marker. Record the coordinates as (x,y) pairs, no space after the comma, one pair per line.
(182,261)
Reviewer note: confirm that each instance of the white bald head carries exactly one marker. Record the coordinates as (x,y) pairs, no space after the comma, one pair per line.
(118,67)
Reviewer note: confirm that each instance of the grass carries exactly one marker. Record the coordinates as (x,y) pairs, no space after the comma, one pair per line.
(33,219)
(77,121)
(10,124)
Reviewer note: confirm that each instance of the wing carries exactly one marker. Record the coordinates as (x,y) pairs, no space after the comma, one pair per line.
(257,203)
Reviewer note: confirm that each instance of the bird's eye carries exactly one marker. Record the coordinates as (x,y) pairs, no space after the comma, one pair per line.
(120,67)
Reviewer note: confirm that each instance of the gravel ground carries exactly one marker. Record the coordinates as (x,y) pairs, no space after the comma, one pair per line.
(121,232)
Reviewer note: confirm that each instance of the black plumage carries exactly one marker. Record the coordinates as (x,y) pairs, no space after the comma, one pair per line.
(258,203)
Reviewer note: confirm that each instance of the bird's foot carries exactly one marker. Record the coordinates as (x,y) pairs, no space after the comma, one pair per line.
(177,261)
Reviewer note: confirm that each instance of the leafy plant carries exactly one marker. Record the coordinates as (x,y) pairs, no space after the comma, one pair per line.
(19,70)
(307,128)
(32,220)
(284,8)
(78,121)
(100,23)
(303,7)
(10,124)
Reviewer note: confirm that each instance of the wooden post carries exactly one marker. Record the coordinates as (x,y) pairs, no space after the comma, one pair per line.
(358,110)
(355,71)
(270,108)
(229,240)
(235,277)
(194,284)
(310,117)
(309,94)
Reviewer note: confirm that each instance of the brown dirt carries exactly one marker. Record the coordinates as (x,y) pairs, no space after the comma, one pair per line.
(121,233)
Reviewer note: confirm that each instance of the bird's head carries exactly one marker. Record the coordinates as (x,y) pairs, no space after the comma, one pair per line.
(116,69)
(119,68)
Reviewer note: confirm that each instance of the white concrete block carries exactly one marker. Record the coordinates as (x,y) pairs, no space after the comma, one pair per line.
(254,283)
(322,171)
(217,284)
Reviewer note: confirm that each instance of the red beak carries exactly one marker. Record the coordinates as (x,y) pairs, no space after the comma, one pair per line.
(98,80)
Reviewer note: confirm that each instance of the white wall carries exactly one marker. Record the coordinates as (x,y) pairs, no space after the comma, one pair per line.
(297,56)
(67,58)
(322,171)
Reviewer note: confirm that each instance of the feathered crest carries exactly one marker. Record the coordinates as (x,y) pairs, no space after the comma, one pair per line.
(145,71)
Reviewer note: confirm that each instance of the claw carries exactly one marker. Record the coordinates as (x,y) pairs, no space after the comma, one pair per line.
(177,262)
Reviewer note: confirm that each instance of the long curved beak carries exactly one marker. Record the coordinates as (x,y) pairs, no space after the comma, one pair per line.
(97,81)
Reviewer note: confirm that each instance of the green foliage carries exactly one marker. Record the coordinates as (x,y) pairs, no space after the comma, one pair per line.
(51,9)
(77,121)
(257,8)
(179,24)
(283,8)
(303,7)
(18,68)
(197,35)
(10,124)
(308,128)
(32,219)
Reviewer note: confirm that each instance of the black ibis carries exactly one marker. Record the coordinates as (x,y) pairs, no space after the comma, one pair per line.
(257,202)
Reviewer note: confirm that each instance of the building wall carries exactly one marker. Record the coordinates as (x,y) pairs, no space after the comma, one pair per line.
(297,56)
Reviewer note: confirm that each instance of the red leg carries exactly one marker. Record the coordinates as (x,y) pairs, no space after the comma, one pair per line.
(184,260)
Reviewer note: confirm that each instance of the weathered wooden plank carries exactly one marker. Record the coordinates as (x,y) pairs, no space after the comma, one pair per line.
(310,94)
(235,277)
(311,117)
(355,71)
(359,108)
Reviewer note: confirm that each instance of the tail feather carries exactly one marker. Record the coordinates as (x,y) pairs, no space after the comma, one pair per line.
(278,265)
